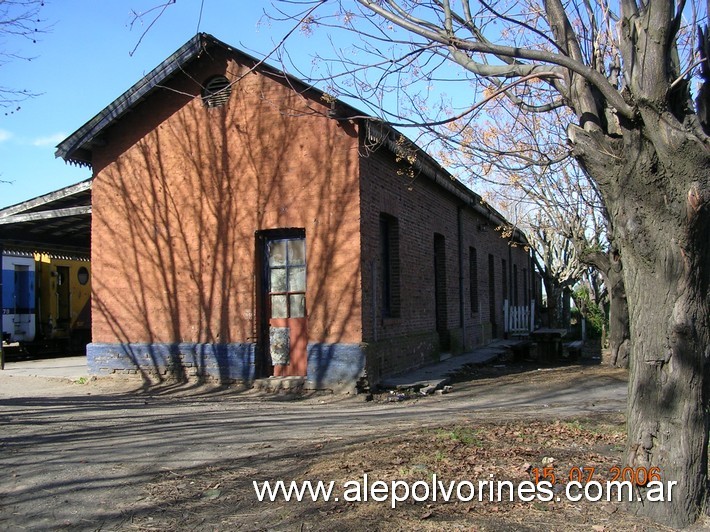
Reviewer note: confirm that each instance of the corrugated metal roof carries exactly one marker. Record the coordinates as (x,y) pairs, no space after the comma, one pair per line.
(76,149)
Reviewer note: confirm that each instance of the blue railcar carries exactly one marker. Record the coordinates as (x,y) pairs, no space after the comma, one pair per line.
(19,316)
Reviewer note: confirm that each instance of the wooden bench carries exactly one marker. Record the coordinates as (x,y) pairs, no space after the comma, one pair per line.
(520,348)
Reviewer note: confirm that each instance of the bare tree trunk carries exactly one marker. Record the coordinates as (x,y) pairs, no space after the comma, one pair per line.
(610,266)
(668,386)
(554,298)
(619,331)
(659,203)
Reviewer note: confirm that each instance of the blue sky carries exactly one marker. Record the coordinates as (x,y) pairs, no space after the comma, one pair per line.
(83,63)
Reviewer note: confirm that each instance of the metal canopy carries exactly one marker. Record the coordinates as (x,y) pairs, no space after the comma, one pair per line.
(59,221)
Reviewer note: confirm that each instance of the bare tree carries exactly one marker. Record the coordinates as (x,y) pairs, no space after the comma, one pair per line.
(569,206)
(521,155)
(556,257)
(20,23)
(620,76)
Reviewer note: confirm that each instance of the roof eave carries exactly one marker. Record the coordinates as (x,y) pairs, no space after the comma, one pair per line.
(76,148)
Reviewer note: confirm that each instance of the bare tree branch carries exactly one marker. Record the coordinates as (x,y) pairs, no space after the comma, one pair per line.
(20,22)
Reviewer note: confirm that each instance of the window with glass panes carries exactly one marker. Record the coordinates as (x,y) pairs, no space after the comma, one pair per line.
(287,278)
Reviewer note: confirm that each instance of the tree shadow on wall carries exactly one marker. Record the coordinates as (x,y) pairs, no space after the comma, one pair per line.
(176,215)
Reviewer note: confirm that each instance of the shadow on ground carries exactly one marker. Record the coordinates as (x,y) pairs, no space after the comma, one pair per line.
(86,456)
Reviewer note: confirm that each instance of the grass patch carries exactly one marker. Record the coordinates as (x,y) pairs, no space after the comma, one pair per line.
(463,435)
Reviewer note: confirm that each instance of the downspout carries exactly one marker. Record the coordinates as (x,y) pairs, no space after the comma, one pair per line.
(462,313)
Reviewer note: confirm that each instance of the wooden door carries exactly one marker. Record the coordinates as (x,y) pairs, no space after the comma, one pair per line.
(286,305)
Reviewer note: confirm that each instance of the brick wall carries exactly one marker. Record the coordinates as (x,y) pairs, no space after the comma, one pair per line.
(423,209)
(181,190)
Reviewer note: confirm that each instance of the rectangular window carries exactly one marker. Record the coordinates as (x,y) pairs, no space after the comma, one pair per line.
(492,292)
(441,309)
(389,266)
(504,273)
(21,302)
(515,285)
(473,279)
(526,296)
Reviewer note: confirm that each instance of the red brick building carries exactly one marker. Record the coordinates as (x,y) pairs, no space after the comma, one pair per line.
(246,224)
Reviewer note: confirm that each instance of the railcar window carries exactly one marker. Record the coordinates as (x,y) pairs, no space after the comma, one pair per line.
(82,275)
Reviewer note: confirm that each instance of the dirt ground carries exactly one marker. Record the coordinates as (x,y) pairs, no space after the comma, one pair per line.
(109,455)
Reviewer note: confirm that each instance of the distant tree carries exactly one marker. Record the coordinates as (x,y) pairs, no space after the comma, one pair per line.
(590,299)
(575,213)
(560,210)
(20,23)
(555,256)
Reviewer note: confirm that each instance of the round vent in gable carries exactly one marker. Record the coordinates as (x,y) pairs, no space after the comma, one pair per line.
(216,91)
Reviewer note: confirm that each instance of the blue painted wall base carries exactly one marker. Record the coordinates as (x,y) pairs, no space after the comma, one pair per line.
(225,362)
(335,366)
(329,365)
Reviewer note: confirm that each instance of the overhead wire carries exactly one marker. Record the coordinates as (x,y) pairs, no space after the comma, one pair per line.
(199,19)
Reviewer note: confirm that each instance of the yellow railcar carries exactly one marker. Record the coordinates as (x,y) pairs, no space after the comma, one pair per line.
(63,287)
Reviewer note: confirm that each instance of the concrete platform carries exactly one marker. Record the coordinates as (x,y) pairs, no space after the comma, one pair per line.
(71,368)
(438,374)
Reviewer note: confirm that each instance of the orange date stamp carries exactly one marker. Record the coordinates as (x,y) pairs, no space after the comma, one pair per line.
(639,476)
